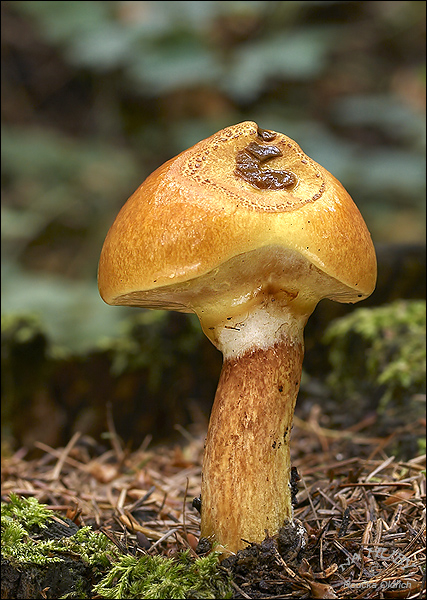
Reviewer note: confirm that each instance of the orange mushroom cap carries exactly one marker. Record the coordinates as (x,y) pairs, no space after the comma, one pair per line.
(240,210)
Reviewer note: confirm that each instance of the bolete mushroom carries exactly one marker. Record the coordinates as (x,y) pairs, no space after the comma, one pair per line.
(249,233)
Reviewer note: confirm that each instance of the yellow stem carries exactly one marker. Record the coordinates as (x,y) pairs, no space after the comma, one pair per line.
(246,465)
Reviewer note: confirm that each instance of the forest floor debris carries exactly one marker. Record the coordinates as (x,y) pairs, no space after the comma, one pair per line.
(363,510)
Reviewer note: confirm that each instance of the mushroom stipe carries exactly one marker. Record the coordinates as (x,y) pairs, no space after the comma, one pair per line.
(249,233)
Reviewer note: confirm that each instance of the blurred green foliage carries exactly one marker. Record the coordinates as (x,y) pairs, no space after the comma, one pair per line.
(155,372)
(143,343)
(97,94)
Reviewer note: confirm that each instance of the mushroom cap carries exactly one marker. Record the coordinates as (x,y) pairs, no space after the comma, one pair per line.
(241,211)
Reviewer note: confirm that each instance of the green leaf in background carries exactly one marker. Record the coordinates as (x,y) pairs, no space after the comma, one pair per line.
(289,55)
(72,314)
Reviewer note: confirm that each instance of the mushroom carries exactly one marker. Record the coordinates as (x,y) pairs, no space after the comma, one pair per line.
(247,232)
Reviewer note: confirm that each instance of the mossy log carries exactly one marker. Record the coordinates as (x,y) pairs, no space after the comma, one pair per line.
(53,580)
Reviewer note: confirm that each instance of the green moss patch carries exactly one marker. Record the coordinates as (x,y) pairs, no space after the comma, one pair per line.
(85,563)
(380,352)
(157,577)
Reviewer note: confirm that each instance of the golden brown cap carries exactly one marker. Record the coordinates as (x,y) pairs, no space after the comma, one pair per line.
(242,196)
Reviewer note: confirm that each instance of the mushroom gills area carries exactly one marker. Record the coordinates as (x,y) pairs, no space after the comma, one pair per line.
(246,465)
(234,287)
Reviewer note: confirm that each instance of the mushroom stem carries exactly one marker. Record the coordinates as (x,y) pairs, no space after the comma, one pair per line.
(246,465)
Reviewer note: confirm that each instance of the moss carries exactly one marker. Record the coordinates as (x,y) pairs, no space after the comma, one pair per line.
(380,348)
(158,577)
(25,523)
(27,512)
(145,342)
(378,358)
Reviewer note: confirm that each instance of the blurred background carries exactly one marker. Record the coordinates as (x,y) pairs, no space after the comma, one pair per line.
(96,95)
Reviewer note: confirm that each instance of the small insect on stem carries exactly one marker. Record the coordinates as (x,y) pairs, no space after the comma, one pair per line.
(197,503)
(344,523)
(293,484)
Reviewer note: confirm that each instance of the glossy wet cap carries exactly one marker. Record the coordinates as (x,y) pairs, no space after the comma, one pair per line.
(242,190)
